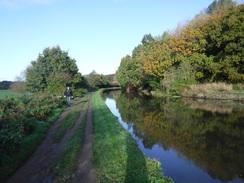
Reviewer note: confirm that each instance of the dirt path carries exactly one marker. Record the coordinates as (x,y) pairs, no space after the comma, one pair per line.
(85,173)
(39,167)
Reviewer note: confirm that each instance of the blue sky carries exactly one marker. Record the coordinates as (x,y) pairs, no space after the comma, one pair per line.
(96,33)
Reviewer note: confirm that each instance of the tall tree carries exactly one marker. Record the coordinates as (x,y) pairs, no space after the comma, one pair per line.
(224,34)
(52,70)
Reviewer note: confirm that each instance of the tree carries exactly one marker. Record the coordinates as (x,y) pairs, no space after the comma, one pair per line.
(147,39)
(52,70)
(190,40)
(219,5)
(224,34)
(95,80)
(158,61)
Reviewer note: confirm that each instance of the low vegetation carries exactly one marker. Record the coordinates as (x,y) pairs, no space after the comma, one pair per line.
(209,87)
(214,91)
(117,158)
(24,122)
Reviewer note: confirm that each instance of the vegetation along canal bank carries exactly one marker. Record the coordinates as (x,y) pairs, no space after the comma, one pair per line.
(115,155)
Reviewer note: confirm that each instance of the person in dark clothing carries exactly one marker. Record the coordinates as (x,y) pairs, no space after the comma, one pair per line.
(69,94)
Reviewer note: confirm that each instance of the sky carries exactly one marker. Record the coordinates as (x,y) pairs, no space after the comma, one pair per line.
(96,33)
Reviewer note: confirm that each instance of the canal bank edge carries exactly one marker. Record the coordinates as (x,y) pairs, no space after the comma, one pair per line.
(210,96)
(117,157)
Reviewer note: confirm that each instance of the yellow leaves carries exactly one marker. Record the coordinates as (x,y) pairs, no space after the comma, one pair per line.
(191,40)
(158,61)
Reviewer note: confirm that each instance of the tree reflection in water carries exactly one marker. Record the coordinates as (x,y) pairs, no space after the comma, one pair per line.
(208,133)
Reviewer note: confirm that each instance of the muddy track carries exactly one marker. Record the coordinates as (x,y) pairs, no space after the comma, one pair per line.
(84,171)
(39,167)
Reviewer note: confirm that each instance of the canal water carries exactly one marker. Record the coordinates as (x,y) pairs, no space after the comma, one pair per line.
(196,141)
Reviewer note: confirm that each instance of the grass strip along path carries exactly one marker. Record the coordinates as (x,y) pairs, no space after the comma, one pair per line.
(116,156)
(75,164)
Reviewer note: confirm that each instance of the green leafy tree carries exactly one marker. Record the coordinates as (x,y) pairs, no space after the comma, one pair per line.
(212,43)
(176,79)
(52,70)
(95,80)
(219,5)
(224,34)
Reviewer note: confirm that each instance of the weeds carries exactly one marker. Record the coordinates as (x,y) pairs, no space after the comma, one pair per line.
(207,88)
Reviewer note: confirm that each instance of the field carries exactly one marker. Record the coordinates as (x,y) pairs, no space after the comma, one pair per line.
(7,93)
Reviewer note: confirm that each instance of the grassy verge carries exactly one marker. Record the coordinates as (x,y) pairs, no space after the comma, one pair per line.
(69,120)
(64,168)
(117,157)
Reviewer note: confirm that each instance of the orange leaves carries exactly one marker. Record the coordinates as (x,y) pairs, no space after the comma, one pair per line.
(158,62)
(190,40)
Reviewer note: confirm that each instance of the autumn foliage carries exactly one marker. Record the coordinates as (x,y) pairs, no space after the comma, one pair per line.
(212,44)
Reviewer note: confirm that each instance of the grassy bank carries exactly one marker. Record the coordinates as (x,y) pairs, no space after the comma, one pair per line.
(215,91)
(117,158)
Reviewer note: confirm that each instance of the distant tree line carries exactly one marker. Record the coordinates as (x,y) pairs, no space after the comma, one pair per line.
(209,48)
(5,84)
(53,71)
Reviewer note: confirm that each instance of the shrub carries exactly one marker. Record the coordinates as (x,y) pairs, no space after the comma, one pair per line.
(176,79)
(19,117)
(79,92)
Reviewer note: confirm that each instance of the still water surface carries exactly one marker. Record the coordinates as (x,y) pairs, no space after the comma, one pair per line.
(196,141)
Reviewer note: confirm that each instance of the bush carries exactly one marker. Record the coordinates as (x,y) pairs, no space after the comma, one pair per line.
(79,92)
(19,118)
(176,79)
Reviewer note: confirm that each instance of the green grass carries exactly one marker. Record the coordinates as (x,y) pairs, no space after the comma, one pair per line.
(8,93)
(64,168)
(117,158)
(238,92)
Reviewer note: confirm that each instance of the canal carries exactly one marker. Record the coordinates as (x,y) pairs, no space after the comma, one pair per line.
(194,140)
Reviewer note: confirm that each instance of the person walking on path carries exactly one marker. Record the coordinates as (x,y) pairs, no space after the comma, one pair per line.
(69,94)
